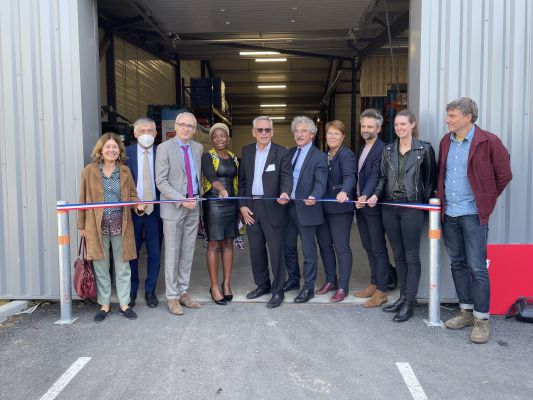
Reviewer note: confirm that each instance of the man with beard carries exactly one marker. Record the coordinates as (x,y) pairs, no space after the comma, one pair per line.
(369,218)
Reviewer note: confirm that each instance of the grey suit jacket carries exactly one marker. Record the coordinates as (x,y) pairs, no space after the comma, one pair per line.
(170,176)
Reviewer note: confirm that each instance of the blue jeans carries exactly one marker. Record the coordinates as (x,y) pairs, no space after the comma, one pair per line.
(466,243)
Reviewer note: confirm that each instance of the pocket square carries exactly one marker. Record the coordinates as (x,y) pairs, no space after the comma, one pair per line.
(271,167)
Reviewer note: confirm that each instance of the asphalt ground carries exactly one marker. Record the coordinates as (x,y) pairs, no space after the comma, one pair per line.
(246,351)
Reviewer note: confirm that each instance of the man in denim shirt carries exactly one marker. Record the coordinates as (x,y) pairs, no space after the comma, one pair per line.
(474,169)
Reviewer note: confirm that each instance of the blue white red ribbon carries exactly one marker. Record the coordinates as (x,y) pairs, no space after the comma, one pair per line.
(90,206)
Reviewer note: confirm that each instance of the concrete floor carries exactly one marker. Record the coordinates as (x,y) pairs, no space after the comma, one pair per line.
(242,279)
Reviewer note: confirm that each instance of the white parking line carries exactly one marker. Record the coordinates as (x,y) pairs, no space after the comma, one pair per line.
(410,380)
(63,381)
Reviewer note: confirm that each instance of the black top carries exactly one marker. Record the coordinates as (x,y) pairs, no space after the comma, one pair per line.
(226,172)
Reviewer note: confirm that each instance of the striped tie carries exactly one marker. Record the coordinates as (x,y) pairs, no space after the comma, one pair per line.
(148,193)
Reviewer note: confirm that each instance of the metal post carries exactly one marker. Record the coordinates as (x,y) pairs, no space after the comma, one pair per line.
(65,288)
(434,267)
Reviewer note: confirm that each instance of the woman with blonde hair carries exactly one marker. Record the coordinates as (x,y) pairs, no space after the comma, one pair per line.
(107,179)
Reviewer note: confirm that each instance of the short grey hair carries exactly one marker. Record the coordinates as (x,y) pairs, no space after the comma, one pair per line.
(143,121)
(302,119)
(374,114)
(263,118)
(464,104)
(182,114)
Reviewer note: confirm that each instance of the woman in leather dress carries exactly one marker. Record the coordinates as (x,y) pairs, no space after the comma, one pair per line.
(220,168)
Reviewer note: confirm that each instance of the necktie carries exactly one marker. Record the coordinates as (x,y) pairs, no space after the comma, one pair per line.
(147,184)
(187,170)
(296,158)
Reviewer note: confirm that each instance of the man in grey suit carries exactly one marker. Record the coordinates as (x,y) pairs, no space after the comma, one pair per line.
(178,177)
(310,176)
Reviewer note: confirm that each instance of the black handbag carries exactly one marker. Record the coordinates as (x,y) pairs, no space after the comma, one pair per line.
(522,309)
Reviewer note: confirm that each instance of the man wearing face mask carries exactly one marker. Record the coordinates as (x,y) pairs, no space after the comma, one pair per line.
(141,161)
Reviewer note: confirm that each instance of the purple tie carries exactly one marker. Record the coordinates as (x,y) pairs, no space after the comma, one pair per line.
(187,170)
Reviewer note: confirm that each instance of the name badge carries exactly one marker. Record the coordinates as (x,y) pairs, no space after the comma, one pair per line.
(271,167)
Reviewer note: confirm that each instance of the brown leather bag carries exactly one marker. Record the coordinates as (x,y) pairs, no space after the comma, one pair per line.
(84,281)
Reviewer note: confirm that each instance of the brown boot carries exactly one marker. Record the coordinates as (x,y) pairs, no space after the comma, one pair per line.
(460,320)
(366,292)
(174,307)
(187,301)
(377,299)
(481,331)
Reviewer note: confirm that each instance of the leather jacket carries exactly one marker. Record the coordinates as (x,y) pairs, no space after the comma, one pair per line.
(420,172)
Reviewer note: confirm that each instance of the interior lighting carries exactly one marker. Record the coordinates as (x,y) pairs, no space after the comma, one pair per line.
(258,53)
(273,105)
(271,86)
(278,118)
(270,59)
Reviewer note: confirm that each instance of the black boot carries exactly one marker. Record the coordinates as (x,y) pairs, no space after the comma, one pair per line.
(405,312)
(395,307)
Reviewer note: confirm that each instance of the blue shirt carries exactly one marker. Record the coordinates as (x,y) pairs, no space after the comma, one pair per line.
(193,165)
(458,194)
(140,169)
(298,166)
(259,167)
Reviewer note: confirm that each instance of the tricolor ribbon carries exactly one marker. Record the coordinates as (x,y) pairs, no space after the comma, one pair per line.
(90,206)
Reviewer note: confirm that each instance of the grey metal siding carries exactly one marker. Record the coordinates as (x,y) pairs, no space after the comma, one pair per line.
(484,50)
(49,120)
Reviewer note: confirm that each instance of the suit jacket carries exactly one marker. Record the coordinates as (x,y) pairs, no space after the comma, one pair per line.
(368,177)
(132,163)
(488,170)
(341,178)
(170,176)
(311,182)
(275,182)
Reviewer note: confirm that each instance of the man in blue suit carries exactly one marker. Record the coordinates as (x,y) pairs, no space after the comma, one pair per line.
(141,161)
(369,218)
(310,175)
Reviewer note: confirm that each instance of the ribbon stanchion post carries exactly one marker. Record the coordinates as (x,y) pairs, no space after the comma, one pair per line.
(434,234)
(65,288)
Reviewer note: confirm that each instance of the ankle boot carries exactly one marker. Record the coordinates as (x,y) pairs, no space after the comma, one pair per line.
(405,312)
(395,307)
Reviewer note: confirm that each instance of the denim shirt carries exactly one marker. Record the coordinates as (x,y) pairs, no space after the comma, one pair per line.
(458,193)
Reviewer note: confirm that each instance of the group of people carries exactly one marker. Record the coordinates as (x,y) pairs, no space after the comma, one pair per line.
(280,198)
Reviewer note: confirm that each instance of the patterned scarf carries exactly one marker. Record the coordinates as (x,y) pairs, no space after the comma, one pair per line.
(216,161)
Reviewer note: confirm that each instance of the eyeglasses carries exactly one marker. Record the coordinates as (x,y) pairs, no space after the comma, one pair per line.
(186,126)
(261,130)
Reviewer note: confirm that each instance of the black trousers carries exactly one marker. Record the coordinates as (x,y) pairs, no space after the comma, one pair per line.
(372,235)
(260,235)
(308,239)
(333,237)
(404,227)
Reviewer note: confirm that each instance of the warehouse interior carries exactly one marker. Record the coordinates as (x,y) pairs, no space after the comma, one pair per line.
(232,61)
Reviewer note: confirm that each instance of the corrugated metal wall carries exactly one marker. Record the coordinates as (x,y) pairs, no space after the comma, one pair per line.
(481,49)
(48,116)
(377,74)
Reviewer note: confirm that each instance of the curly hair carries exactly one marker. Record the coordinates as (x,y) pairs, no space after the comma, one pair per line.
(97,155)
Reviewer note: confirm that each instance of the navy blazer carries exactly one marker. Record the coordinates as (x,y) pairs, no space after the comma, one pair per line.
(369,175)
(277,179)
(341,178)
(131,162)
(311,182)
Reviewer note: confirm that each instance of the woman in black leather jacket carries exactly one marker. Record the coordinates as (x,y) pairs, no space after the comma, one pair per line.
(408,175)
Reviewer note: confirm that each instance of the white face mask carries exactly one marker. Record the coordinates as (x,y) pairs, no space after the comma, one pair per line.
(146,140)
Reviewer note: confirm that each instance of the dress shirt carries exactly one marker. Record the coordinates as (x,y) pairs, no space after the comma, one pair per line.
(140,169)
(298,166)
(193,165)
(458,193)
(259,167)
